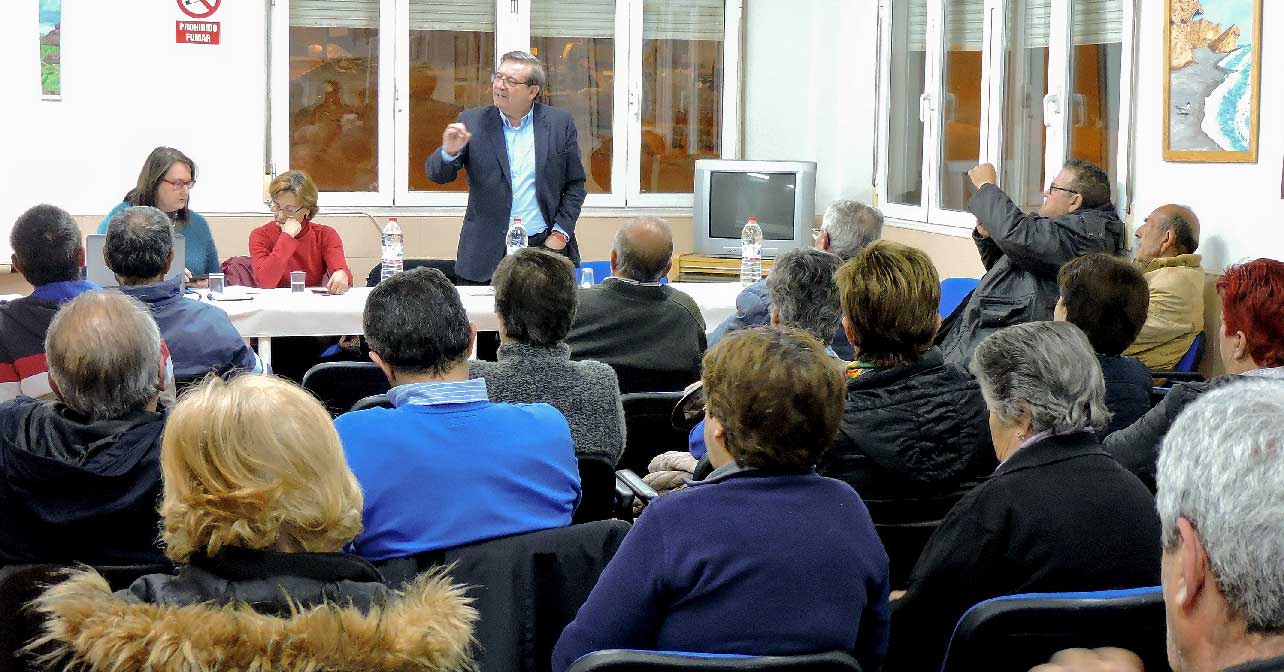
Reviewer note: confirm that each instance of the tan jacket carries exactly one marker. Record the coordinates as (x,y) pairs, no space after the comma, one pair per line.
(428,628)
(1176,311)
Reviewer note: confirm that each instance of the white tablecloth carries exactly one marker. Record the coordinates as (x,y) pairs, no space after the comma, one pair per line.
(279,312)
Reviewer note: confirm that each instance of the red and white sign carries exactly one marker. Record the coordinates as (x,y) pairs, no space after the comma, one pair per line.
(199,9)
(196,32)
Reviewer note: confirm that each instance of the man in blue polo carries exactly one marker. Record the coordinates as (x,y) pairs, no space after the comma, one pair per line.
(445,466)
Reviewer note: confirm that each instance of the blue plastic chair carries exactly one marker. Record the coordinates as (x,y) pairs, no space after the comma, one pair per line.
(1017,632)
(602,271)
(632,660)
(953,291)
(1183,372)
(1190,360)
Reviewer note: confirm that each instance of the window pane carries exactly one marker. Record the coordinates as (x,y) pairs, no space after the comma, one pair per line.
(576,41)
(334,93)
(961,104)
(681,91)
(905,139)
(1097,61)
(1024,135)
(452,53)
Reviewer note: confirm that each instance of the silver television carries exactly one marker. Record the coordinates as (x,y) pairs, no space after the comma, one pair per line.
(781,194)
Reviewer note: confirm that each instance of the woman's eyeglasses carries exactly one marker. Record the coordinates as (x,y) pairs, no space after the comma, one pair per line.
(277,207)
(180,184)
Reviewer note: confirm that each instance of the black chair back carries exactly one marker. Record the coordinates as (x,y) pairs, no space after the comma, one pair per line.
(635,380)
(526,587)
(648,430)
(597,489)
(623,660)
(339,385)
(446,266)
(905,526)
(20,584)
(372,401)
(1017,632)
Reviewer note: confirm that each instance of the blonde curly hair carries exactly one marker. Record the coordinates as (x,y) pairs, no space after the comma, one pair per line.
(254,462)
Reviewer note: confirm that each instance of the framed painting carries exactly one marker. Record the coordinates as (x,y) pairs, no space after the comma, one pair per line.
(1212,53)
(50,49)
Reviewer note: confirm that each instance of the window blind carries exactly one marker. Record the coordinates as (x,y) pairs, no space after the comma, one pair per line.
(573,18)
(685,20)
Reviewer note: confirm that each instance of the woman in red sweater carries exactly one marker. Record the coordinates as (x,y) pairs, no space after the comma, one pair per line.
(293,242)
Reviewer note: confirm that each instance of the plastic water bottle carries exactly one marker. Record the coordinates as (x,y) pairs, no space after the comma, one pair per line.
(516,238)
(750,253)
(394,251)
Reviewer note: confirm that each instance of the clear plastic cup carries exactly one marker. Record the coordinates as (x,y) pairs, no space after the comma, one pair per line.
(586,277)
(298,281)
(216,285)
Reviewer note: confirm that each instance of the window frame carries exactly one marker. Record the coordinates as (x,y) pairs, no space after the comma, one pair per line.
(512,32)
(928,215)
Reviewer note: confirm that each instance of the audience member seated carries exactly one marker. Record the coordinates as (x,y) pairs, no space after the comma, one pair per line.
(165,183)
(1166,245)
(445,466)
(1221,514)
(48,253)
(651,334)
(1251,346)
(257,506)
(764,556)
(80,475)
(1059,514)
(535,299)
(846,228)
(1106,298)
(139,250)
(293,242)
(1023,251)
(914,426)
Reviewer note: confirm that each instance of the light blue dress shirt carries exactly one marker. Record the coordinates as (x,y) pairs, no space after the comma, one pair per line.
(520,142)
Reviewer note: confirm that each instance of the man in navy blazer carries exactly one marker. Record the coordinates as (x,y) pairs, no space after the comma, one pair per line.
(522,160)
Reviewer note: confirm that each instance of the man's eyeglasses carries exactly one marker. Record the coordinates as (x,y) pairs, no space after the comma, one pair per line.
(1053,187)
(496,76)
(277,207)
(180,184)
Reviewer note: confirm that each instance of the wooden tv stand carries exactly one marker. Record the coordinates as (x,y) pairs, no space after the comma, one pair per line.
(708,268)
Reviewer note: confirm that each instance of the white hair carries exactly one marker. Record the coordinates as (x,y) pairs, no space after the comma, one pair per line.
(1222,469)
(852,226)
(104,354)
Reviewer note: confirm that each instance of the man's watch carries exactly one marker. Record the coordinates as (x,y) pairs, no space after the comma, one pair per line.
(564,238)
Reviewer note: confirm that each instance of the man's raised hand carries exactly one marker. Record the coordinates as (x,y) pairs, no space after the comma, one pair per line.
(455,137)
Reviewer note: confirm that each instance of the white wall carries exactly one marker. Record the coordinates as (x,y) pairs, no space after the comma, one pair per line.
(1239,205)
(128,87)
(809,90)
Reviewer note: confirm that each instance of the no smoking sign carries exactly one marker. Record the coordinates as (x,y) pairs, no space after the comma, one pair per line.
(197,32)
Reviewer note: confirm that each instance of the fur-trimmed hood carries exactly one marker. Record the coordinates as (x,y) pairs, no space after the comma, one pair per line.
(427,627)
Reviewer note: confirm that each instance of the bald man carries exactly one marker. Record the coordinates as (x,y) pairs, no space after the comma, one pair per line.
(1165,250)
(80,475)
(651,334)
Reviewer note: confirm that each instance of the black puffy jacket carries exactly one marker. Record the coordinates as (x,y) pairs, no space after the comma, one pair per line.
(1128,384)
(911,431)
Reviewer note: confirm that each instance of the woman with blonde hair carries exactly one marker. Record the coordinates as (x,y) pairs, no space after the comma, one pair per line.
(293,242)
(258,503)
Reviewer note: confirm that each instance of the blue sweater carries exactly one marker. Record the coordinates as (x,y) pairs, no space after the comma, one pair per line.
(753,563)
(200,337)
(439,476)
(201,257)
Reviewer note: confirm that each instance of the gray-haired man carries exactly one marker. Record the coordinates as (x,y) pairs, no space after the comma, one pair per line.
(846,228)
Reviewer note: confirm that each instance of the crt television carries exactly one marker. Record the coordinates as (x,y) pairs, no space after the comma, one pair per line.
(781,194)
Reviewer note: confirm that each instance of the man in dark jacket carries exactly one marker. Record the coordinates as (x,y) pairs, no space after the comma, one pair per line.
(1022,252)
(48,253)
(80,476)
(139,250)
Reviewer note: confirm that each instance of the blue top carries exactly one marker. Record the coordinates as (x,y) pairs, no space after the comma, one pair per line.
(200,337)
(756,563)
(445,467)
(63,291)
(520,142)
(201,255)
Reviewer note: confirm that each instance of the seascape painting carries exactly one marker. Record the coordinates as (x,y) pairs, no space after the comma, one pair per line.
(50,48)
(1212,51)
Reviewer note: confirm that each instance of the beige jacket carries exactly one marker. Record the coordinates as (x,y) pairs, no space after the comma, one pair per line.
(427,628)
(1176,311)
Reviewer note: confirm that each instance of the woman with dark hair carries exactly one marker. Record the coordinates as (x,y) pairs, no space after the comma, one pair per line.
(258,503)
(166,183)
(1251,346)
(764,556)
(1107,298)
